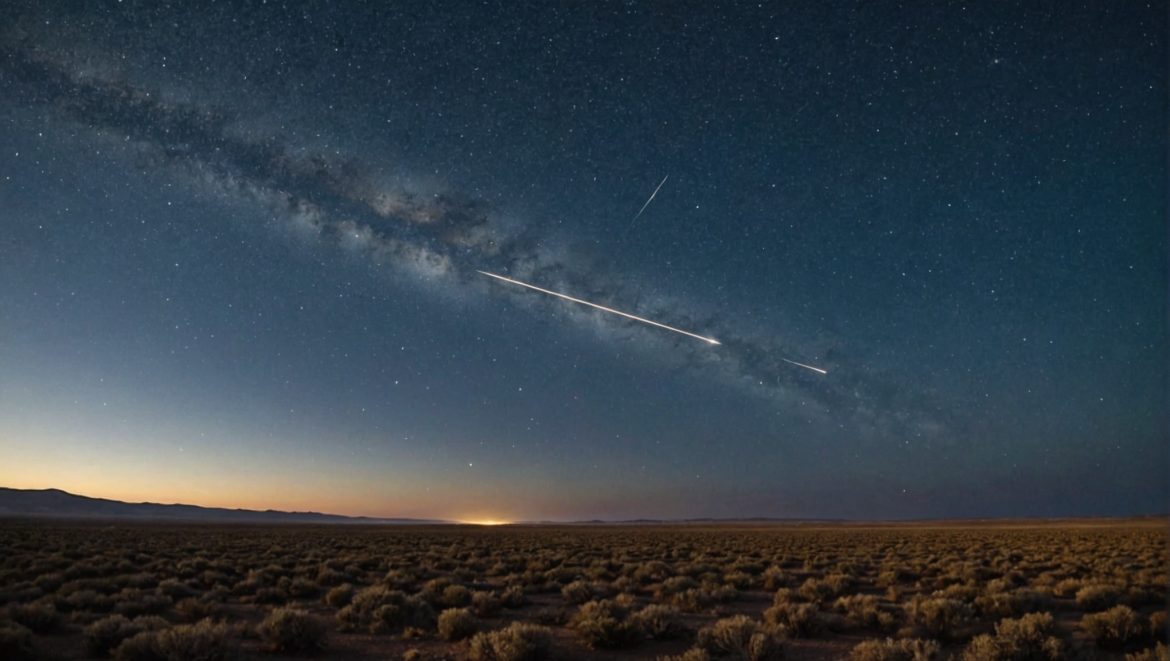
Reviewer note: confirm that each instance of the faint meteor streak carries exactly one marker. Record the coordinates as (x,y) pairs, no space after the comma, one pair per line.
(807,367)
(627,315)
(651,198)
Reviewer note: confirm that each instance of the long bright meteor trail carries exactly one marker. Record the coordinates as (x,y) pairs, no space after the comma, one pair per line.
(651,198)
(807,367)
(627,315)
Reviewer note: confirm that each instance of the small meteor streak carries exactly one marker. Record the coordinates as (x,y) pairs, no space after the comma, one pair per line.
(627,315)
(807,367)
(651,198)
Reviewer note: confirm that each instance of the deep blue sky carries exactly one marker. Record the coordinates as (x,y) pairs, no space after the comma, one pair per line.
(238,245)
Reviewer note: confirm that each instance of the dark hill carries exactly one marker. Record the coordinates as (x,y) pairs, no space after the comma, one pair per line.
(61,504)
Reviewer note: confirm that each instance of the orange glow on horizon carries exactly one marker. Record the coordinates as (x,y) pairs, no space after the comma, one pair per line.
(485,522)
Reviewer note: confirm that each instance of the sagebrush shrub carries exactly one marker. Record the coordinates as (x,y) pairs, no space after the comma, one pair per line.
(1028,638)
(904,649)
(604,624)
(292,630)
(742,637)
(16,641)
(204,641)
(1114,627)
(381,610)
(102,636)
(517,642)
(797,620)
(457,624)
(340,596)
(941,617)
(660,622)
(1098,597)
(1159,652)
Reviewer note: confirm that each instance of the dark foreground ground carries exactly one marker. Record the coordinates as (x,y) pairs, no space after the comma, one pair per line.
(1068,589)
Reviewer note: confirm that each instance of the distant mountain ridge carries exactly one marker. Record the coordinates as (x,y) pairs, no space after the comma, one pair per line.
(60,504)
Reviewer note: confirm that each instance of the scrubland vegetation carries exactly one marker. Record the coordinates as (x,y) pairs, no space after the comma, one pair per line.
(906,592)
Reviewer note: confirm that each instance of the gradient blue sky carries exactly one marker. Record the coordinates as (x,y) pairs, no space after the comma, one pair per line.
(239,244)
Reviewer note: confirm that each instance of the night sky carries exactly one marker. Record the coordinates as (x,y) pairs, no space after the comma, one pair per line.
(239,246)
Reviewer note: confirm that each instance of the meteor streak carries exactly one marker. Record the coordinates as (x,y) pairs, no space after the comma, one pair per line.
(627,315)
(651,198)
(807,367)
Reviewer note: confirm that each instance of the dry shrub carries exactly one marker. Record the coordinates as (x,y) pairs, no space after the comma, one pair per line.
(693,654)
(520,641)
(175,589)
(292,630)
(797,620)
(660,622)
(485,604)
(604,624)
(815,590)
(741,637)
(101,637)
(340,596)
(1114,627)
(457,624)
(675,585)
(905,649)
(1011,603)
(133,602)
(303,588)
(192,609)
(514,597)
(1157,653)
(942,618)
(1028,638)
(864,610)
(204,641)
(16,641)
(381,610)
(454,596)
(39,616)
(774,579)
(1098,597)
(1158,628)
(578,592)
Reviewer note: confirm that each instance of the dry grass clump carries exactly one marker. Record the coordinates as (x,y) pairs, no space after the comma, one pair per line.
(1028,638)
(292,630)
(904,649)
(1113,628)
(204,641)
(739,637)
(457,624)
(519,641)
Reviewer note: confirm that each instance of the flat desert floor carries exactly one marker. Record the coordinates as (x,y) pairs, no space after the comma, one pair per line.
(965,590)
